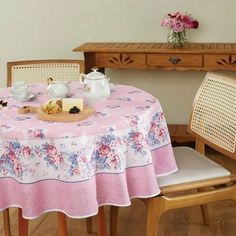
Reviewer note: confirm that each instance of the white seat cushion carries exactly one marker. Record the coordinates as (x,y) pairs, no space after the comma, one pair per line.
(192,166)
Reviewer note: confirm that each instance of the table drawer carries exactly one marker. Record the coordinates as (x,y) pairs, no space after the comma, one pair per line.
(120,60)
(219,61)
(175,60)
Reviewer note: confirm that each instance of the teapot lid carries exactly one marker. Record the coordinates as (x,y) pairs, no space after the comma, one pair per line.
(95,74)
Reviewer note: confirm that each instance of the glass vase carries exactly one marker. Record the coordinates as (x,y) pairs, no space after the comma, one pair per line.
(177,39)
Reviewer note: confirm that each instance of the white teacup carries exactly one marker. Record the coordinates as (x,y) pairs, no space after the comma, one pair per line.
(20,90)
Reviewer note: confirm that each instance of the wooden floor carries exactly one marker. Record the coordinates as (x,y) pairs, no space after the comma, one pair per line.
(181,222)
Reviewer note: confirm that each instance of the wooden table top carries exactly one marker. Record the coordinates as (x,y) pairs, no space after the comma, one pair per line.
(154,47)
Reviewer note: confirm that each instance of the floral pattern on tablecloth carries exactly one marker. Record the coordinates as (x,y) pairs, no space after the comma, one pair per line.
(120,135)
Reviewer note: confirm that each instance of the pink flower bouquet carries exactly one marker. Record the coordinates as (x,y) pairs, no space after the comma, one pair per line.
(178,23)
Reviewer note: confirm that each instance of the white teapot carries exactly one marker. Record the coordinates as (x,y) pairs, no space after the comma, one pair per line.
(58,89)
(95,86)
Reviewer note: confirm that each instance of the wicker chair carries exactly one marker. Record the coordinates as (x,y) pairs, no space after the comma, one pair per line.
(40,71)
(212,122)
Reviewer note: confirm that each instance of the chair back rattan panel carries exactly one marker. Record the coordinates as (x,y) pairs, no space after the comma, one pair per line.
(214,113)
(41,70)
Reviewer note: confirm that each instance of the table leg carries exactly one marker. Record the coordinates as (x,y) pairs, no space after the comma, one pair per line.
(101,222)
(61,224)
(6,222)
(90,62)
(89,224)
(22,224)
(114,213)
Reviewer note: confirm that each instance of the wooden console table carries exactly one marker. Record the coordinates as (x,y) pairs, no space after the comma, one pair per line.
(193,56)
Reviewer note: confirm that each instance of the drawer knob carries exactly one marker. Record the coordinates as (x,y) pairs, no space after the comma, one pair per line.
(174,60)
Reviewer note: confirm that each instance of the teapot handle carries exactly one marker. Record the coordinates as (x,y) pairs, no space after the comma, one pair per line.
(81,78)
(49,80)
(107,79)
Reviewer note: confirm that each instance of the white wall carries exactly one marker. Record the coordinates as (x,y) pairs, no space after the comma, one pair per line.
(43,29)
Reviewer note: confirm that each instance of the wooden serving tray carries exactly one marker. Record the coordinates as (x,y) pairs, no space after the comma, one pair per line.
(59,117)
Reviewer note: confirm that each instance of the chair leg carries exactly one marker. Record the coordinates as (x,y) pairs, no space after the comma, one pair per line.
(114,213)
(6,221)
(154,212)
(234,194)
(205,215)
(200,147)
(205,212)
(101,222)
(89,224)
(22,224)
(61,224)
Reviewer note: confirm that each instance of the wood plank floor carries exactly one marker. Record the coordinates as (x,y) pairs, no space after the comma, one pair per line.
(181,222)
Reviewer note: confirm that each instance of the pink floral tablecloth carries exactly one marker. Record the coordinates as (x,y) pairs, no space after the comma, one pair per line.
(109,158)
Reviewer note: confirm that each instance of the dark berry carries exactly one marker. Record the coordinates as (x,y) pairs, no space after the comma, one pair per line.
(4,104)
(74,110)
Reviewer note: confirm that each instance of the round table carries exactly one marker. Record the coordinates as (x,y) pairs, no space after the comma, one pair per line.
(107,159)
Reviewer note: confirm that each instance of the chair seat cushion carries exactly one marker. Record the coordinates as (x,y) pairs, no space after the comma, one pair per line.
(192,166)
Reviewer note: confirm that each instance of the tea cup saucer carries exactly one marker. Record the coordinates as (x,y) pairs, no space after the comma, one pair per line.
(23,99)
